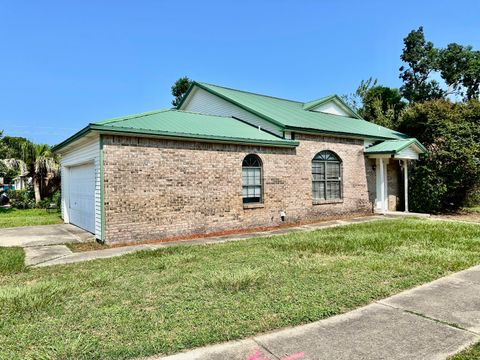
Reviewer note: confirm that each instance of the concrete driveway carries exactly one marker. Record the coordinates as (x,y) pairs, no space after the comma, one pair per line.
(43,235)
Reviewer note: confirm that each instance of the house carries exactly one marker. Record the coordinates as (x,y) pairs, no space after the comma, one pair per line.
(226,159)
(21,182)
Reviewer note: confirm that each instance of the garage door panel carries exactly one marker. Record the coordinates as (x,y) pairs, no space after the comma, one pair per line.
(82,196)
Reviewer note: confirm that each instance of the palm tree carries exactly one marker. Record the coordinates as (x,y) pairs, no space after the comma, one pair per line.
(42,166)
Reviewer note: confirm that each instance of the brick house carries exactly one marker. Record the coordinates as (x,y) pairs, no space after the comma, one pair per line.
(227,159)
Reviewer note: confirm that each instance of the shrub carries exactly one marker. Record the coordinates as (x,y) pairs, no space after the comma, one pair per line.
(55,198)
(449,173)
(21,199)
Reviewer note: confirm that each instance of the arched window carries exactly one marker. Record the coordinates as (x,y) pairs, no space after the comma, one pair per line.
(326,176)
(252,179)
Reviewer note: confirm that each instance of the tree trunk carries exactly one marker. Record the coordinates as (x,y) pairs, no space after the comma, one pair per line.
(36,189)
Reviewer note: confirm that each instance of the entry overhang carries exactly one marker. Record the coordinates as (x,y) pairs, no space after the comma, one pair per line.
(403,149)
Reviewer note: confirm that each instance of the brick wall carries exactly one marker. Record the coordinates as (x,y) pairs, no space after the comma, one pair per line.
(394,186)
(158,188)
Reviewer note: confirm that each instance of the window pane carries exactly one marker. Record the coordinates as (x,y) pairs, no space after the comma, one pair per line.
(333,190)
(333,170)
(318,168)
(319,190)
(256,176)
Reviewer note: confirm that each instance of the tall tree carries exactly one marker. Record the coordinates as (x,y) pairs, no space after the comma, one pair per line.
(459,66)
(179,88)
(421,60)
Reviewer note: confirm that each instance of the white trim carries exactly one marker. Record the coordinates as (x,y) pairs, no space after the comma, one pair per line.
(381,200)
(405,179)
(84,151)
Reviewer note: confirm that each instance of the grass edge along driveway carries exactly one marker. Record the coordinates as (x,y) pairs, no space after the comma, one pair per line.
(171,299)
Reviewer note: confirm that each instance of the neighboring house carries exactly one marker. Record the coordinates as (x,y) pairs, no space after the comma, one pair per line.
(21,182)
(227,159)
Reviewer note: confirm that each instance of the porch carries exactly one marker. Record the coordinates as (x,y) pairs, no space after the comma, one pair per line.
(390,153)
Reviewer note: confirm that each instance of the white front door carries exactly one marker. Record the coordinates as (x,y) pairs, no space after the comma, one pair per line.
(81,190)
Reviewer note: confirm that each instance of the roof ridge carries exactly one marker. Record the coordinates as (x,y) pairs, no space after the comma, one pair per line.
(250,92)
(128,117)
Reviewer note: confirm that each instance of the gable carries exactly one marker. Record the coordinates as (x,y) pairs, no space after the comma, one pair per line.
(201,101)
(398,149)
(330,108)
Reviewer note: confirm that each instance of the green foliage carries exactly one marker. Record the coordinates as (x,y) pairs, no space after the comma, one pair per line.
(421,59)
(443,179)
(55,198)
(21,199)
(376,103)
(14,147)
(458,66)
(179,89)
(382,105)
(7,173)
(355,100)
(20,156)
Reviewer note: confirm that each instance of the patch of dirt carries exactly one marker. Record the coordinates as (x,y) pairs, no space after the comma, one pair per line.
(460,216)
(87,246)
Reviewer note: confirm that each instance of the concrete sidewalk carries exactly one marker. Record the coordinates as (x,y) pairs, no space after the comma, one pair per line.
(47,256)
(432,321)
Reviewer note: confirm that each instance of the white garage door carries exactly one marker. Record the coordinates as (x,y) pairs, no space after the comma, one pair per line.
(81,189)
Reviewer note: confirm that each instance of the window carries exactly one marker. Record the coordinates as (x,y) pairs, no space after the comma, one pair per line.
(326,176)
(252,179)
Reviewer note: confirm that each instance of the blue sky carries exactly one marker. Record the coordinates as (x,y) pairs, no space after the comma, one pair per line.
(64,64)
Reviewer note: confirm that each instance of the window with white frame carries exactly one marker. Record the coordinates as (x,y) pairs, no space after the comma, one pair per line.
(326,176)
(252,179)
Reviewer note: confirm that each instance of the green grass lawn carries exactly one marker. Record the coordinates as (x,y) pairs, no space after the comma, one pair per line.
(16,217)
(12,260)
(472,353)
(182,297)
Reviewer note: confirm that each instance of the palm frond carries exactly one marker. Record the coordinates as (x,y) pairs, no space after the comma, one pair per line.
(15,165)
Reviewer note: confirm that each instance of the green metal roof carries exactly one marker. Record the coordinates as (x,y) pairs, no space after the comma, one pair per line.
(290,114)
(184,125)
(394,146)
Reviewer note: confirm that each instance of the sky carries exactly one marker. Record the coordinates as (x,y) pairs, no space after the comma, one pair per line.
(64,64)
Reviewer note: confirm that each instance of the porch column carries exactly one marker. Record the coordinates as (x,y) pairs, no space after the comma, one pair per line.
(405,179)
(382,185)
